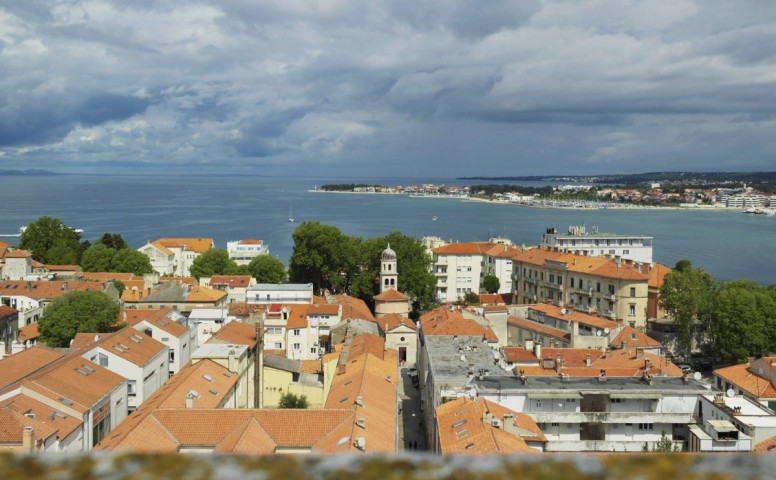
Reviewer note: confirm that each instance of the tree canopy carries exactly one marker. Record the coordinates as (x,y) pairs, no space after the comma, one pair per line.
(215,261)
(323,256)
(52,242)
(686,297)
(491,283)
(267,269)
(112,240)
(100,258)
(290,400)
(90,312)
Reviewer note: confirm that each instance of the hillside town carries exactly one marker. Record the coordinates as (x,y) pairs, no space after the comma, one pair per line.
(569,349)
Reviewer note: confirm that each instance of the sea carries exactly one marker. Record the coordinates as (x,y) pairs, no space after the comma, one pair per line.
(728,244)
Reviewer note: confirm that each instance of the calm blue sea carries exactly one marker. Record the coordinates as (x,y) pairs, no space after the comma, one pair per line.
(730,245)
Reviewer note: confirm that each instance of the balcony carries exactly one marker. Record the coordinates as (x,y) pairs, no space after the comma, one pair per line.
(610,296)
(609,314)
(531,280)
(596,445)
(584,308)
(553,285)
(611,417)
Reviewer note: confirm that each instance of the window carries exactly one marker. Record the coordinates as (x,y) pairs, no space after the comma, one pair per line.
(278,345)
(552,278)
(103,360)
(631,309)
(611,289)
(132,388)
(645,426)
(297,346)
(297,332)
(313,350)
(171,356)
(598,287)
(633,291)
(538,404)
(560,279)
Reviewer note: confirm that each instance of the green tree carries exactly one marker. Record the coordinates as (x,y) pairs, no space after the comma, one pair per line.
(323,256)
(686,297)
(683,265)
(290,400)
(97,258)
(413,264)
(471,298)
(52,242)
(215,261)
(743,321)
(128,260)
(491,283)
(119,286)
(267,269)
(112,240)
(91,312)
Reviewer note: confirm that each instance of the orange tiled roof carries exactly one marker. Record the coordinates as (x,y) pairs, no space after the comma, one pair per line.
(46,290)
(656,275)
(442,321)
(63,268)
(65,381)
(231,280)
(311,366)
(389,322)
(29,332)
(495,298)
(592,320)
(25,363)
(323,309)
(202,294)
(44,423)
(6,311)
(766,446)
(162,248)
(134,315)
(538,327)
(297,316)
(199,245)
(250,241)
(353,308)
(18,254)
(186,280)
(246,309)
(634,338)
(160,320)
(462,430)
(519,354)
(471,248)
(106,276)
(236,333)
(127,343)
(744,378)
(391,295)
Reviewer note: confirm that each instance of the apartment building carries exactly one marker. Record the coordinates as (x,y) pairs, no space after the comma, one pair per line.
(610,288)
(243,251)
(578,240)
(174,256)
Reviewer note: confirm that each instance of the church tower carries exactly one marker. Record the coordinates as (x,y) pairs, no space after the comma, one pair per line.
(389,276)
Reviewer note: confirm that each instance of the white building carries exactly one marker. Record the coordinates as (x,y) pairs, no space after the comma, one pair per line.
(460,268)
(731,423)
(207,321)
(577,240)
(174,256)
(171,329)
(280,293)
(243,251)
(133,355)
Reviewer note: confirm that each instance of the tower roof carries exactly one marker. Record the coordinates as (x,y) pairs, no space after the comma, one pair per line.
(388,255)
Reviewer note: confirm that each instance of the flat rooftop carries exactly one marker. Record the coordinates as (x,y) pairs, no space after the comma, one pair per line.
(218,350)
(663,385)
(282,286)
(448,364)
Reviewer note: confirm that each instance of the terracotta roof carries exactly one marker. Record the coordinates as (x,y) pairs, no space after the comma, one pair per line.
(367,344)
(297,316)
(133,315)
(503,251)
(46,290)
(573,357)
(600,266)
(236,333)
(323,309)
(311,366)
(29,332)
(391,295)
(353,308)
(538,327)
(6,311)
(25,363)
(63,268)
(249,438)
(748,380)
(106,276)
(628,358)
(591,320)
(11,426)
(162,248)
(127,343)
(442,321)
(496,298)
(46,421)
(200,245)
(231,280)
(766,446)
(66,382)
(246,309)
(4,246)
(202,294)
(394,320)
(462,430)
(160,320)
(519,354)
(186,280)
(634,338)
(18,254)
(656,275)
(250,241)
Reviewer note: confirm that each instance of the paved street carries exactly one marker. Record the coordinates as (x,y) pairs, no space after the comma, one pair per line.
(411,429)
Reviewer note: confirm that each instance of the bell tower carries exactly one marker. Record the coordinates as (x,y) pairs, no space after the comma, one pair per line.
(389,276)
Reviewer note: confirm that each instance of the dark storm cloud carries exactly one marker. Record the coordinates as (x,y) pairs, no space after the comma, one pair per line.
(430,87)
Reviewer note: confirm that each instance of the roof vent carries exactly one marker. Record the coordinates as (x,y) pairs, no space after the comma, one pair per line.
(343,441)
(360,401)
(388,378)
(361,422)
(360,443)
(32,415)
(207,377)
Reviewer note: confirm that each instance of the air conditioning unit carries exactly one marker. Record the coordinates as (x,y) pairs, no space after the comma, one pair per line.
(497,423)
(360,443)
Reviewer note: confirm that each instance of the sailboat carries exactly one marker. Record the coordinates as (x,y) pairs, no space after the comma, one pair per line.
(290,214)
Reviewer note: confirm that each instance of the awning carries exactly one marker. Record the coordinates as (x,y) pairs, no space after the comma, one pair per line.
(637,396)
(554,395)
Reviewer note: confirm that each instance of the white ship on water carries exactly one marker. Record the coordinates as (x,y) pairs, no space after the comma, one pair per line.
(24,227)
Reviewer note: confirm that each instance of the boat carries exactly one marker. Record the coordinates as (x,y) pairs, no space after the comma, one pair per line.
(434,218)
(291,214)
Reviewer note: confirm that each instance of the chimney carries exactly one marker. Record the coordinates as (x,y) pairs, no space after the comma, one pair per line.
(552,343)
(647,364)
(639,353)
(587,360)
(569,309)
(190,400)
(231,361)
(750,360)
(549,302)
(558,362)
(602,376)
(29,285)
(538,350)
(64,286)
(624,345)
(28,439)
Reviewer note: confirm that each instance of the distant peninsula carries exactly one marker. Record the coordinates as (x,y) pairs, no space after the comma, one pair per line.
(695,178)
(30,171)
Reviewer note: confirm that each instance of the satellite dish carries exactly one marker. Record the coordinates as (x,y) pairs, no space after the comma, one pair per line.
(563,311)
(606,331)
(697,376)
(598,333)
(473,393)
(730,393)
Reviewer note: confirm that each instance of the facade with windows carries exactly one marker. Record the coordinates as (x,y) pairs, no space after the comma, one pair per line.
(578,241)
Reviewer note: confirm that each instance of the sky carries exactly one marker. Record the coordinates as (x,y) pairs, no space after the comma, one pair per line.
(412,88)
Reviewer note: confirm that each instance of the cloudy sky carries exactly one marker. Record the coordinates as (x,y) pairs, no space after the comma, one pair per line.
(388,88)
